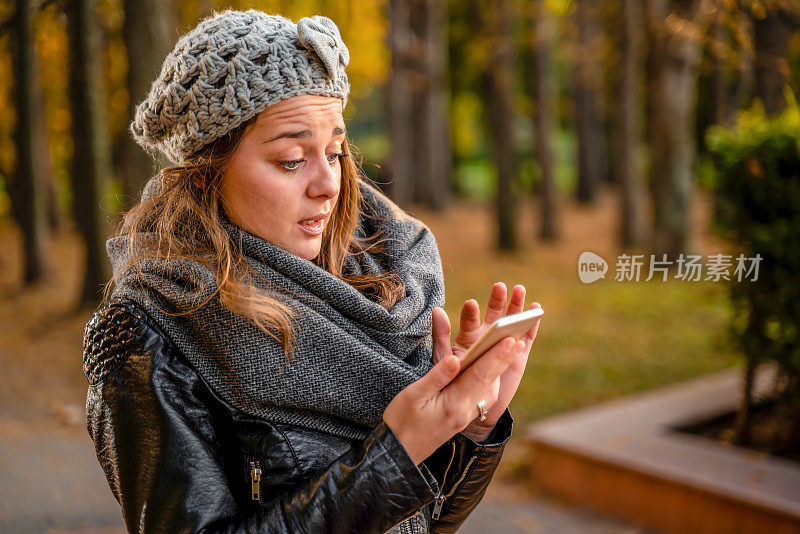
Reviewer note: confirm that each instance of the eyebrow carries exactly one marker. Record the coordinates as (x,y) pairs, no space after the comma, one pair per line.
(304,133)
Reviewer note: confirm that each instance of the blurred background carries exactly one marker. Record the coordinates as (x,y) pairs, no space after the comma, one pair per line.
(524,132)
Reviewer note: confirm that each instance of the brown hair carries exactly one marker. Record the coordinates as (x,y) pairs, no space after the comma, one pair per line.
(183,217)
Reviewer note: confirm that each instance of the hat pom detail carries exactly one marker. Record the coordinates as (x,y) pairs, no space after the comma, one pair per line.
(321,35)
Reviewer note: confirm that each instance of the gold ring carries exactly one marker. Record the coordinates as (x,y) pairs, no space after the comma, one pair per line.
(482,409)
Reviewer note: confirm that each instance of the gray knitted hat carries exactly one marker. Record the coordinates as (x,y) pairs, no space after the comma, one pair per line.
(231,67)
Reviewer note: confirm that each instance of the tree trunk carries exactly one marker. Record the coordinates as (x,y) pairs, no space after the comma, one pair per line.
(721,108)
(743,419)
(28,190)
(498,89)
(435,123)
(90,161)
(418,116)
(587,85)
(675,52)
(465,23)
(400,102)
(541,39)
(44,162)
(147,40)
(771,36)
(627,132)
(720,112)
(744,68)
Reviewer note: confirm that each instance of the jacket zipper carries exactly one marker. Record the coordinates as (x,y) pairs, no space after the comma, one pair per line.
(255,480)
(437,508)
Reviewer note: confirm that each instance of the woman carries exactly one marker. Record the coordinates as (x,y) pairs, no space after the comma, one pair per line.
(274,355)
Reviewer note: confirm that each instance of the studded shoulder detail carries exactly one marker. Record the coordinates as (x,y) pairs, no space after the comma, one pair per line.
(107,340)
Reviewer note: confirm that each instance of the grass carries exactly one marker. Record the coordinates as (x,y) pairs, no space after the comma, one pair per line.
(599,341)
(620,338)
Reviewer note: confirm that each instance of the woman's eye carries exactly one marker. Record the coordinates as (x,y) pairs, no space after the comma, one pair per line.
(291,165)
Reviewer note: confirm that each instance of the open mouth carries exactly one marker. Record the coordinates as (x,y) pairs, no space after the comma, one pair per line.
(313,227)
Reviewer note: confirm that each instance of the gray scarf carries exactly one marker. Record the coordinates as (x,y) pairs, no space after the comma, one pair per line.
(352,356)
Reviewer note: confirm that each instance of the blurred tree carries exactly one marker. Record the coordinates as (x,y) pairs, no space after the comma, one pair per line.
(400,98)
(717,47)
(610,59)
(147,40)
(467,52)
(49,28)
(498,90)
(587,85)
(90,159)
(418,97)
(674,54)
(433,173)
(774,22)
(206,7)
(726,73)
(27,190)
(540,42)
(626,129)
(743,57)
(44,162)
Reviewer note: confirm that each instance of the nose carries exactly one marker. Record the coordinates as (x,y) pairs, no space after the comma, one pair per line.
(326,178)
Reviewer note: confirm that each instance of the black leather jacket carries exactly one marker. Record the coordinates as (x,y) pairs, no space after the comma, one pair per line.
(179,458)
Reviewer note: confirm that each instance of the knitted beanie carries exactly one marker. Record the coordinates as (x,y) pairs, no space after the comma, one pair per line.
(231,67)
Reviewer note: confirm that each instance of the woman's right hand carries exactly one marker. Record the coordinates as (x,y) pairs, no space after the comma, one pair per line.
(428,412)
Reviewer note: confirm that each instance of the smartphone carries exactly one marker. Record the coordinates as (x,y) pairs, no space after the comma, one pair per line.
(515,325)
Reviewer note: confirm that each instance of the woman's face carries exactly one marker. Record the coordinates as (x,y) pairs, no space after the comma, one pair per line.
(287,170)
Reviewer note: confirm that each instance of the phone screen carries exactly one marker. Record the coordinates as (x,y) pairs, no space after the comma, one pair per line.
(515,325)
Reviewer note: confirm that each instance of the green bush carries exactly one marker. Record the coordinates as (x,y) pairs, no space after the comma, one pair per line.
(757,183)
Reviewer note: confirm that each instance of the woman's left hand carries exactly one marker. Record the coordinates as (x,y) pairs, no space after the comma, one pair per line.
(471,328)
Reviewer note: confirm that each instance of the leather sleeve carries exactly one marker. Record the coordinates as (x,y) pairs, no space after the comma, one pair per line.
(160,439)
(465,469)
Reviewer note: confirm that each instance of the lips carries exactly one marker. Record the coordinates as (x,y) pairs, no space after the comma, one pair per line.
(315,217)
(314,225)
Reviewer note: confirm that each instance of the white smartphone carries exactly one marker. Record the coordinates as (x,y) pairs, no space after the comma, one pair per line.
(514,325)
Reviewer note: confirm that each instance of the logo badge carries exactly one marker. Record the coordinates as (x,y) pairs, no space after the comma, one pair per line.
(591,267)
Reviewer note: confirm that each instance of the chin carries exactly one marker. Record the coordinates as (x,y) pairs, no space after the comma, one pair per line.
(309,253)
